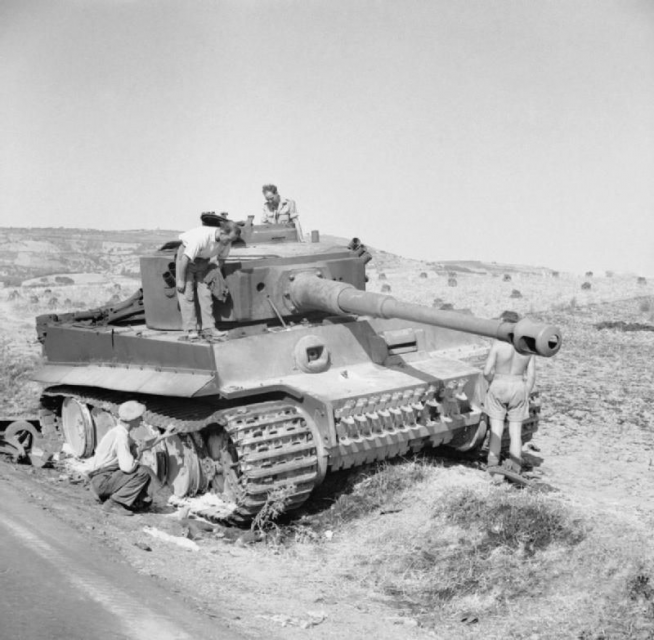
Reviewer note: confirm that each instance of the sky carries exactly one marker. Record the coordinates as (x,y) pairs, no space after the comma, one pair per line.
(517,131)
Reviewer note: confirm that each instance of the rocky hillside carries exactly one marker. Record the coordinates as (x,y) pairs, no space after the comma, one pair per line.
(37,252)
(29,254)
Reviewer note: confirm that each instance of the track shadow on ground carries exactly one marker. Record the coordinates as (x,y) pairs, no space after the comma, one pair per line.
(345,496)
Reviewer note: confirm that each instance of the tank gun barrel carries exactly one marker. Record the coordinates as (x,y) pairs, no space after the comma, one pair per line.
(310,292)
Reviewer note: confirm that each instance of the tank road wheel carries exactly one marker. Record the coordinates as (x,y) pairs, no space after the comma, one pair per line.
(178,474)
(21,433)
(184,472)
(222,450)
(77,425)
(103,422)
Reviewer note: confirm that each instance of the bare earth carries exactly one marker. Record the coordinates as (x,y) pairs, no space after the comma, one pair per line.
(594,445)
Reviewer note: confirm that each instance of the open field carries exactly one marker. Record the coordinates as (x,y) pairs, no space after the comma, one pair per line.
(427,547)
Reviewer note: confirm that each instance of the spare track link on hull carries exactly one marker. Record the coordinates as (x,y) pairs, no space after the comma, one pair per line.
(275,449)
(271,444)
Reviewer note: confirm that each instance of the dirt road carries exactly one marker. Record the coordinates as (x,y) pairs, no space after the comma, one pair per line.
(56,584)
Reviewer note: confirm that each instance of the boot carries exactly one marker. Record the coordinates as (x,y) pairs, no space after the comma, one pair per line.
(111,506)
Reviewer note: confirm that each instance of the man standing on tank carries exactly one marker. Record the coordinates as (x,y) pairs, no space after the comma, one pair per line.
(278,210)
(512,377)
(117,478)
(203,250)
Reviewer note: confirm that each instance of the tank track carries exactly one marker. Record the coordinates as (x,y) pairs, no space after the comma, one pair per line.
(271,446)
(276,451)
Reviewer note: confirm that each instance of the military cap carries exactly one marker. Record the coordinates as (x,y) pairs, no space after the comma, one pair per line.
(212,219)
(131,410)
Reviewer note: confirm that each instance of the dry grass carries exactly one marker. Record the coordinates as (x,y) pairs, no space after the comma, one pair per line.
(16,390)
(468,559)
(276,504)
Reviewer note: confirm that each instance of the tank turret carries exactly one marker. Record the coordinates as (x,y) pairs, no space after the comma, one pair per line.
(313,374)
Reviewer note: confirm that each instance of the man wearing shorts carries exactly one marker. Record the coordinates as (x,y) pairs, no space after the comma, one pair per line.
(512,377)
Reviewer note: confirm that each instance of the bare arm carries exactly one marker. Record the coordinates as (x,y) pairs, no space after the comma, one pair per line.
(490,362)
(531,374)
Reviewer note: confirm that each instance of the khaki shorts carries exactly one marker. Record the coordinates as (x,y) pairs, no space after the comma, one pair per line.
(507,397)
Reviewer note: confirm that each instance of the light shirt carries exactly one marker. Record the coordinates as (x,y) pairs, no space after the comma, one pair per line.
(201,243)
(113,452)
(284,213)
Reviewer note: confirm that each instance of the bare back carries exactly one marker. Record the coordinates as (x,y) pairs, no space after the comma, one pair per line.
(503,359)
(509,361)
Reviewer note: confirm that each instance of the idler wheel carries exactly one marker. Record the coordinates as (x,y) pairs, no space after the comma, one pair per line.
(474,439)
(77,425)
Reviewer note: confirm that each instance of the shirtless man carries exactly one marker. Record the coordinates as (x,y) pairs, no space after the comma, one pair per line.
(512,377)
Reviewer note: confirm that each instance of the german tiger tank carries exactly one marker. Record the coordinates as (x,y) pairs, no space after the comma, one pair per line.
(313,375)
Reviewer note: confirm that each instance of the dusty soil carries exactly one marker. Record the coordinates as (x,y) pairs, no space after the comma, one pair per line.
(595,446)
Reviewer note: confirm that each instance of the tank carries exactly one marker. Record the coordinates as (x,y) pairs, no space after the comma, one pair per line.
(313,375)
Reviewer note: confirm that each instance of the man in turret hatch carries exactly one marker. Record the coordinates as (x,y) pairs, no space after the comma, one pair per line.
(278,210)
(117,478)
(199,279)
(512,377)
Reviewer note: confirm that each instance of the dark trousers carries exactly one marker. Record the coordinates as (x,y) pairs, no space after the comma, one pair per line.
(122,487)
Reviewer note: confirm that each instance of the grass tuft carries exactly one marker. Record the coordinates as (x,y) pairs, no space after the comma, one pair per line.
(276,504)
(517,521)
(489,545)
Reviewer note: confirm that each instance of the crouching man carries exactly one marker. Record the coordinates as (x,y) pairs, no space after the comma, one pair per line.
(117,478)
